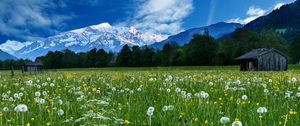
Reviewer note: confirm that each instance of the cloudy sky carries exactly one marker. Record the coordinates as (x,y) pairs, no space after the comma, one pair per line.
(25,20)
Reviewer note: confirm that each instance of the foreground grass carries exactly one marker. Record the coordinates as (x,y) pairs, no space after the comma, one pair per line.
(179,96)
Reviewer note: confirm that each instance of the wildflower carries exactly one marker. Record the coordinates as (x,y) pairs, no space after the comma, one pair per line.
(287,94)
(206,121)
(294,79)
(204,95)
(177,90)
(21,108)
(238,82)
(298,94)
(28,124)
(210,83)
(244,97)
(37,94)
(139,89)
(5,109)
(237,123)
(150,111)
(270,80)
(52,84)
(42,101)
(126,122)
(21,94)
(16,96)
(60,112)
(262,110)
(168,108)
(168,90)
(60,102)
(45,93)
(291,112)
(266,91)
(224,120)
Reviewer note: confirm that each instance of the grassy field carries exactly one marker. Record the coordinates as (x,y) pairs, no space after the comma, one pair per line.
(160,96)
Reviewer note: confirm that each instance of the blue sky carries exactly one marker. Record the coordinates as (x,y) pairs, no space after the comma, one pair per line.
(25,20)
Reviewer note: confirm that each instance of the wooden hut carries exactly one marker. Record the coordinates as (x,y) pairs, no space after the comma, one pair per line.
(32,67)
(263,59)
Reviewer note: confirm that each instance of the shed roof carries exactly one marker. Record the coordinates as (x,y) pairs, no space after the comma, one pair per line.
(254,54)
(33,64)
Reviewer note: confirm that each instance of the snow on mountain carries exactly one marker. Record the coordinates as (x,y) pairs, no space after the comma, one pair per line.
(11,46)
(98,36)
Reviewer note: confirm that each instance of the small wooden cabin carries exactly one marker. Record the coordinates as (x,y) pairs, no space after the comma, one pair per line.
(263,59)
(32,67)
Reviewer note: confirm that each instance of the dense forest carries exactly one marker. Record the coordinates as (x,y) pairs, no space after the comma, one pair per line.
(202,50)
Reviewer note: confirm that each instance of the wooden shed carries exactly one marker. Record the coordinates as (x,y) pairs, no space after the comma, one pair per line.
(263,59)
(32,67)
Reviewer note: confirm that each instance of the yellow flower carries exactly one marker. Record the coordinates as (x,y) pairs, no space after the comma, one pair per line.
(206,122)
(48,124)
(236,119)
(195,119)
(292,113)
(126,122)
(28,124)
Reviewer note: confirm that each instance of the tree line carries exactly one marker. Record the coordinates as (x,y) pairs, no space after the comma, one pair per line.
(202,50)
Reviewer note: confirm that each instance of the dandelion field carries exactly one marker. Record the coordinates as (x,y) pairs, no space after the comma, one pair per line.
(156,97)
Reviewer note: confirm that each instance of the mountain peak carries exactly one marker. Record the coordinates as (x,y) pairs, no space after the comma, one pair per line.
(133,30)
(102,25)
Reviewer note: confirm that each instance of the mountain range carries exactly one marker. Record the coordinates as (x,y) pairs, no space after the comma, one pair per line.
(285,21)
(215,30)
(99,36)
(6,56)
(112,38)
(107,37)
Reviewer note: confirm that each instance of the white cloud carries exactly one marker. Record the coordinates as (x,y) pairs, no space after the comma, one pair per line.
(278,6)
(255,12)
(252,13)
(19,17)
(160,16)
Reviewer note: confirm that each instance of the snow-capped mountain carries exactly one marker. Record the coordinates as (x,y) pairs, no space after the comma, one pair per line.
(99,36)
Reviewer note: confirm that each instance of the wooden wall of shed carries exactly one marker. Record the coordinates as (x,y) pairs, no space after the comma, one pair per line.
(272,61)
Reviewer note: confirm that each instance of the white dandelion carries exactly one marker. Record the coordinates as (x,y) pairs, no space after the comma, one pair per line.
(5,109)
(244,97)
(298,94)
(42,101)
(37,94)
(177,90)
(237,123)
(224,120)
(21,108)
(60,112)
(262,110)
(150,111)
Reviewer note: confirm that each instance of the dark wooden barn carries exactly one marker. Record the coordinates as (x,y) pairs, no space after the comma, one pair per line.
(32,67)
(263,59)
